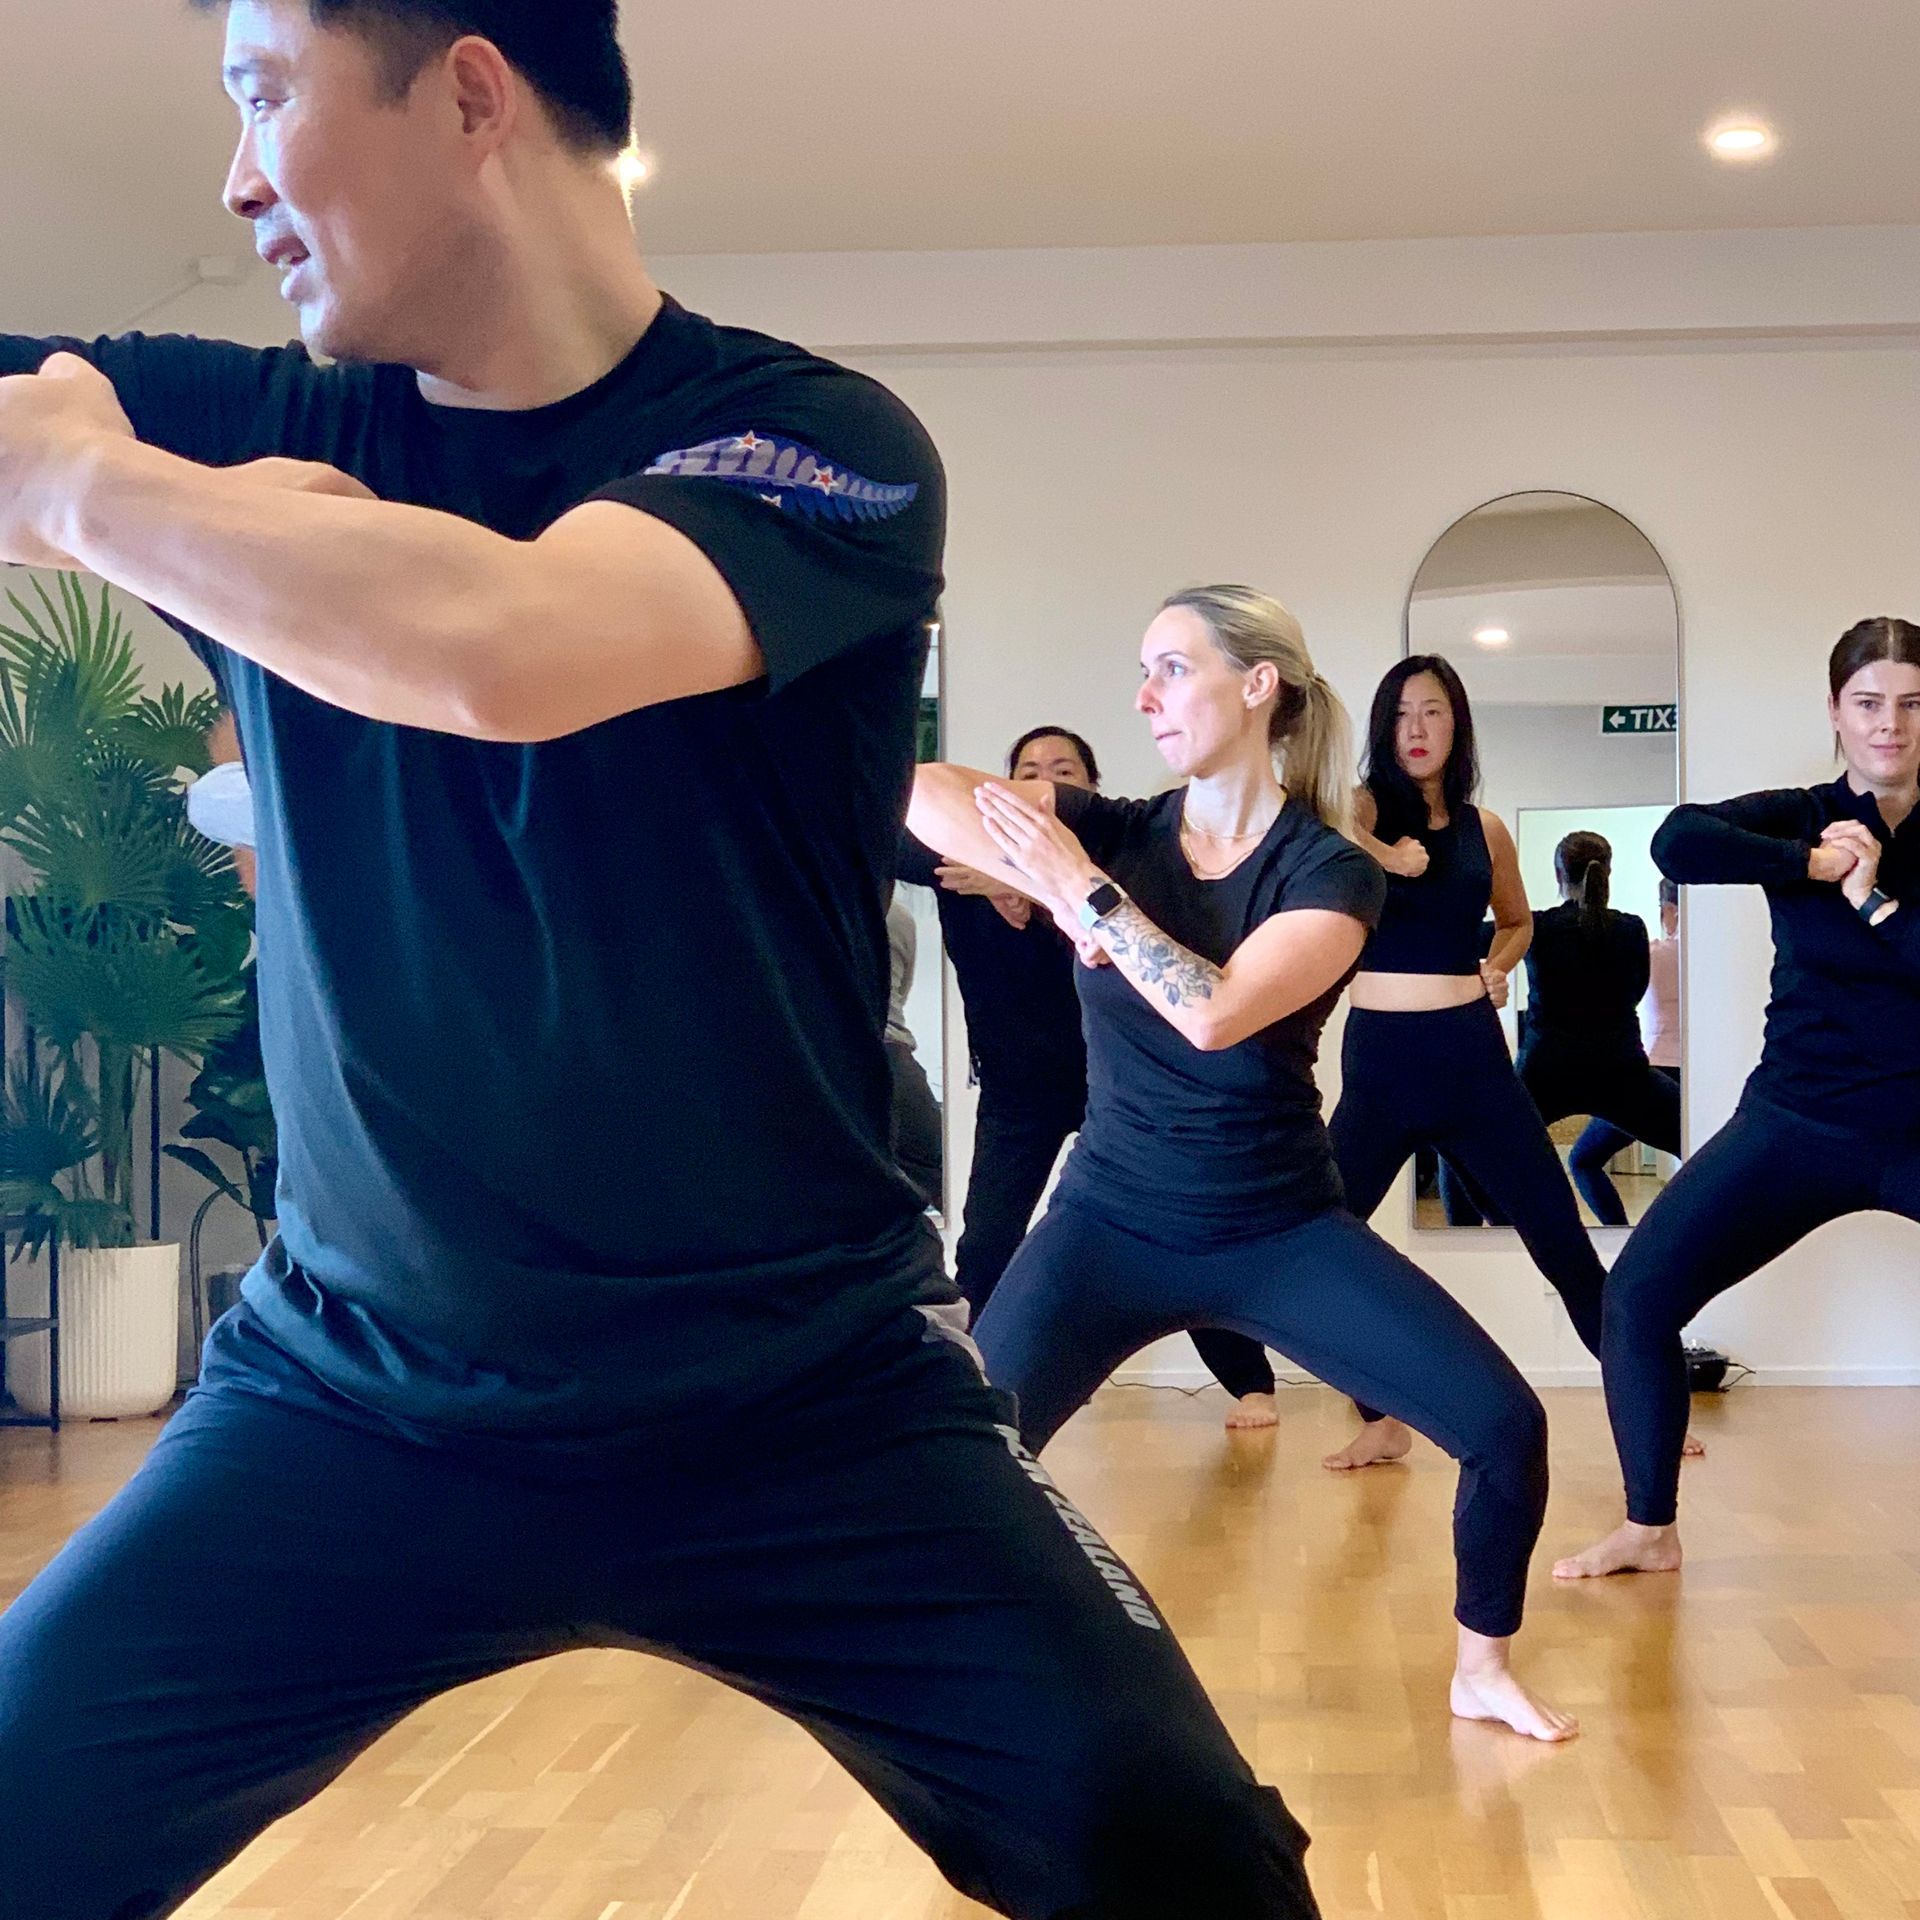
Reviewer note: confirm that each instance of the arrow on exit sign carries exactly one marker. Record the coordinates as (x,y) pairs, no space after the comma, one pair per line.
(1640,719)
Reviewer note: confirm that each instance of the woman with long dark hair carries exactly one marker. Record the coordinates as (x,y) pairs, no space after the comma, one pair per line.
(1829,1123)
(1587,972)
(1220,921)
(1425,1063)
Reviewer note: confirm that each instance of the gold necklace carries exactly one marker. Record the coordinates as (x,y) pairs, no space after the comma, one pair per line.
(1230,839)
(1216,869)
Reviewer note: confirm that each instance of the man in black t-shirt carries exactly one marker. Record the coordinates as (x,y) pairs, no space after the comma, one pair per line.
(575,645)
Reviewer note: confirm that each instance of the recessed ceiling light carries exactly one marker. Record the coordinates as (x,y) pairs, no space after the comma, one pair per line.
(1741,140)
(1491,636)
(634,169)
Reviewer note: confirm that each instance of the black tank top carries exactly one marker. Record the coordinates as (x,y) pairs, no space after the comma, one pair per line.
(1434,924)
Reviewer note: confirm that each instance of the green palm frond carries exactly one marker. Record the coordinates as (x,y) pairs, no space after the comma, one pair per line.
(98,644)
(49,1131)
(170,733)
(203,892)
(44,1214)
(135,934)
(48,1125)
(123,986)
(114,846)
(44,748)
(222,939)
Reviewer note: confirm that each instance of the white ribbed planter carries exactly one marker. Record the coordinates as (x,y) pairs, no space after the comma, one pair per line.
(119,1333)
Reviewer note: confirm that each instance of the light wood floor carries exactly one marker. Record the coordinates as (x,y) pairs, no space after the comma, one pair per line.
(1752,1744)
(1638,1191)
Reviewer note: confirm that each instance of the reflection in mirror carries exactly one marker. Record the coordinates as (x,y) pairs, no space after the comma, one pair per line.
(1561,619)
(916,1027)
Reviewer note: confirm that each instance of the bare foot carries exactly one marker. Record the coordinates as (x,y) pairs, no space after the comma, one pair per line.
(1492,1693)
(1691,1449)
(1253,1410)
(1629,1548)
(1375,1444)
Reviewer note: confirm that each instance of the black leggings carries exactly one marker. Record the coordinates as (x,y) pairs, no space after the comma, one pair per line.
(1016,1140)
(1082,1294)
(286,1577)
(1763,1182)
(1599,1141)
(1633,1100)
(1444,1080)
(1017,1137)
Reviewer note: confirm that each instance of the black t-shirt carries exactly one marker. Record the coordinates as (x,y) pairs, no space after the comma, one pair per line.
(1586,977)
(1843,1023)
(576,1047)
(1023,1013)
(1181,1145)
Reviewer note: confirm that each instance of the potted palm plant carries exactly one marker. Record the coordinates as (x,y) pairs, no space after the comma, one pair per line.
(128,933)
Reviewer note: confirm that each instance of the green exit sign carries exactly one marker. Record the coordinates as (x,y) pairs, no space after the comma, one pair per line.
(1640,719)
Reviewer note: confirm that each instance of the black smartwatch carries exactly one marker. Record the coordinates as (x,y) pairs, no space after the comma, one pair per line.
(1875,904)
(1105,898)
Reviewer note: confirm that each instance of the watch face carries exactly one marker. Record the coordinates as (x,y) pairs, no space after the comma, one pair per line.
(1105,897)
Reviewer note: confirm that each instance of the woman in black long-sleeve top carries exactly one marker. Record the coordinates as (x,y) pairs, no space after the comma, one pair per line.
(1015,973)
(1587,972)
(1829,1123)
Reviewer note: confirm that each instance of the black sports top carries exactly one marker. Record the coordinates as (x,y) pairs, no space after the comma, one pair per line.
(1843,1025)
(1586,977)
(1433,924)
(1023,1010)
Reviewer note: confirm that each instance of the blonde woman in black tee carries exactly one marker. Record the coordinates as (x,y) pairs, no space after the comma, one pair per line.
(1219,923)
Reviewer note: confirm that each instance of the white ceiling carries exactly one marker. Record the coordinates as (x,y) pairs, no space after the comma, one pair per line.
(1024,123)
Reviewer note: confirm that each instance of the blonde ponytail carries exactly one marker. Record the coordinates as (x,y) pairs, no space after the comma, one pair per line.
(1310,732)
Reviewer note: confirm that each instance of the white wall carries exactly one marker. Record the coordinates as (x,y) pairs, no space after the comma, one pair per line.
(1558,757)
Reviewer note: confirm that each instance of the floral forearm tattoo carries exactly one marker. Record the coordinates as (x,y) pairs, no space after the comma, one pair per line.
(1145,954)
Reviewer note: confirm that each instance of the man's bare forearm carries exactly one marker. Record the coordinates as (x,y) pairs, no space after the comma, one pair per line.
(393,612)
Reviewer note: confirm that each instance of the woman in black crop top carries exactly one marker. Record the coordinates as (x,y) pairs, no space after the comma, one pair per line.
(1587,972)
(1219,923)
(1829,1123)
(1424,1062)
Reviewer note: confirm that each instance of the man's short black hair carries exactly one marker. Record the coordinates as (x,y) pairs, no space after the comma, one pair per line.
(569,51)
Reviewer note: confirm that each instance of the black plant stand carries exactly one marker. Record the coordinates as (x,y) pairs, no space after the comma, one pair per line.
(46,1326)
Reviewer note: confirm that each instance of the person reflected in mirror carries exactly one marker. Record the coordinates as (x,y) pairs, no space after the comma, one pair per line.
(1424,1061)
(1829,1122)
(1220,922)
(915,1133)
(1657,1031)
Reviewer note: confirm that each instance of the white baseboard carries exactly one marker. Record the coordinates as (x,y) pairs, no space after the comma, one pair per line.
(1190,1373)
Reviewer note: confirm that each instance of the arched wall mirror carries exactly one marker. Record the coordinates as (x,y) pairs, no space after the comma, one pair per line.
(1562,621)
